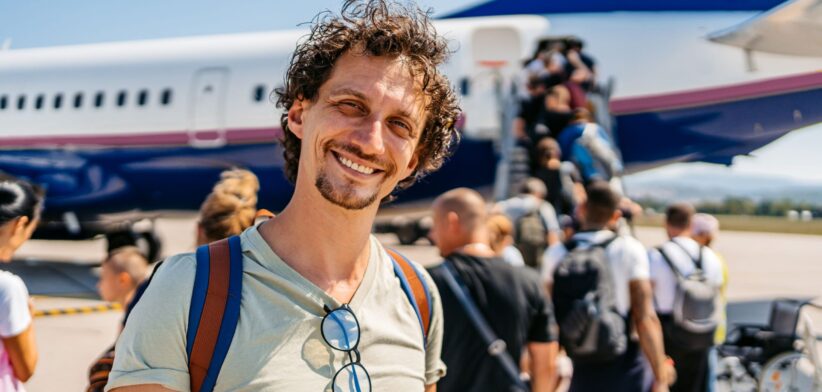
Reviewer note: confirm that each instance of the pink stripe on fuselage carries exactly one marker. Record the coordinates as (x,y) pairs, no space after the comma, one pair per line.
(173,138)
(694,98)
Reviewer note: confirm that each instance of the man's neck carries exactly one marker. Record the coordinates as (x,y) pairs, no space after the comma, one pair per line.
(593,228)
(126,299)
(476,249)
(325,243)
(475,244)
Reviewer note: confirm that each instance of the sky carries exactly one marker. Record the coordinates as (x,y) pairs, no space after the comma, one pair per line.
(38,23)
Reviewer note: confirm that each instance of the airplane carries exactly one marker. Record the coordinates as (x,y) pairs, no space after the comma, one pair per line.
(118,130)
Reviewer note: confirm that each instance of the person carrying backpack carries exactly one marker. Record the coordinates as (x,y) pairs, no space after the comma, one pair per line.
(600,287)
(535,221)
(687,278)
(310,300)
(495,312)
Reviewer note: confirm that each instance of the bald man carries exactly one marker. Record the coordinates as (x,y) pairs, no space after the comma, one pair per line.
(511,299)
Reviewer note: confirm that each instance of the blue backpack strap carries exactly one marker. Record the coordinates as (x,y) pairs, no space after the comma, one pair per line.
(219,264)
(415,288)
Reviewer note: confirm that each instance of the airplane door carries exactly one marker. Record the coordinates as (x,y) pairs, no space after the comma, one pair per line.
(207,114)
(495,55)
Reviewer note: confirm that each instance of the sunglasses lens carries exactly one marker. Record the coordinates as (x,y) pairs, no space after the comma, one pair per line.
(352,378)
(341,330)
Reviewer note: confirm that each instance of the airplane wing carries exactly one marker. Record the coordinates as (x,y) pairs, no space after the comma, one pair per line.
(714,124)
(793,28)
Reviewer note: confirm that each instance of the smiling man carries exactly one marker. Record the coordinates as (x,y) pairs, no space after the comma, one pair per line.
(366,113)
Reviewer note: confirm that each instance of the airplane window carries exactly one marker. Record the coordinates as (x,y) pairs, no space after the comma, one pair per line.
(121,98)
(142,98)
(259,93)
(78,100)
(58,101)
(98,99)
(4,100)
(38,102)
(165,98)
(21,102)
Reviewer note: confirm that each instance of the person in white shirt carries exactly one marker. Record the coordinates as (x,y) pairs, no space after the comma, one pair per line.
(628,263)
(20,205)
(683,252)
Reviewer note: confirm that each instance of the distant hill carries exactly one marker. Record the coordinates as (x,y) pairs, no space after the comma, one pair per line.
(704,184)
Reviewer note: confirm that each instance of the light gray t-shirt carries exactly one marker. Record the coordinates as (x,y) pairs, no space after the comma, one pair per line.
(517,206)
(278,344)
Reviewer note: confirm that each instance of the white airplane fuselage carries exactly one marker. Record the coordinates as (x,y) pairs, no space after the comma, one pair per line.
(95,122)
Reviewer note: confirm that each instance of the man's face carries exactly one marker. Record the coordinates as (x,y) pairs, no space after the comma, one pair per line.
(360,135)
(440,232)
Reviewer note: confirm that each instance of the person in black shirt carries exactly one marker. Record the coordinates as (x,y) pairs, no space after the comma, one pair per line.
(511,299)
(561,179)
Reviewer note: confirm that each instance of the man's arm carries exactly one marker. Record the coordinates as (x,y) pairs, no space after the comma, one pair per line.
(549,217)
(649,330)
(543,366)
(431,388)
(151,350)
(22,353)
(552,237)
(518,127)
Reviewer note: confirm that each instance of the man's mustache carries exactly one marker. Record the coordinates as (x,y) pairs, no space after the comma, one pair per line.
(375,161)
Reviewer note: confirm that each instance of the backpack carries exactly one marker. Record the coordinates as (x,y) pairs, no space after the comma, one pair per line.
(216,298)
(590,328)
(695,314)
(530,237)
(594,155)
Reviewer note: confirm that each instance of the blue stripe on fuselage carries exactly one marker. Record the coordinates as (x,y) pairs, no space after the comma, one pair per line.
(524,7)
(97,180)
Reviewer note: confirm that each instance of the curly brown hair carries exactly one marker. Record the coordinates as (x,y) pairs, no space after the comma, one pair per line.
(377,28)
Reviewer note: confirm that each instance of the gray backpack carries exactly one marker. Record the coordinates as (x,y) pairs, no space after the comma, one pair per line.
(590,328)
(695,315)
(530,237)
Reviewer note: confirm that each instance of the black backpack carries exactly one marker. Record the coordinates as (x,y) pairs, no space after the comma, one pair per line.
(695,316)
(590,328)
(530,237)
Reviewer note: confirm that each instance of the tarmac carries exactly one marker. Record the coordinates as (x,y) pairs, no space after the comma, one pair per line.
(62,275)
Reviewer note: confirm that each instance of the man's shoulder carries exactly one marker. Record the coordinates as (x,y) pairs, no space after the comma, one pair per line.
(389,259)
(175,274)
(630,243)
(528,276)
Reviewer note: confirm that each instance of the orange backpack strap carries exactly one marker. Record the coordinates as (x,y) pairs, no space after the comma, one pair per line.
(415,288)
(215,310)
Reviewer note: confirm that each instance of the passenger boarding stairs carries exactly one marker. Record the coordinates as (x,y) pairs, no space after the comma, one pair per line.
(514,165)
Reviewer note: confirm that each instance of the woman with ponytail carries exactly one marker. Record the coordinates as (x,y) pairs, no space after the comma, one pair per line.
(230,208)
(20,205)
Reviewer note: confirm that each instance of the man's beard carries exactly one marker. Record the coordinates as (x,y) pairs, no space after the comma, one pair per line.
(346,195)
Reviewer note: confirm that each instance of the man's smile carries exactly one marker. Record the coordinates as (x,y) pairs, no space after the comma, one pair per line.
(359,168)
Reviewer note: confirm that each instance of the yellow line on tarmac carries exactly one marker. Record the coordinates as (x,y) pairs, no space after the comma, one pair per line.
(77,310)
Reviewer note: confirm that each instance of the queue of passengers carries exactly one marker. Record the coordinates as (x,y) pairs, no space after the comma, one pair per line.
(555,124)
(311,301)
(626,318)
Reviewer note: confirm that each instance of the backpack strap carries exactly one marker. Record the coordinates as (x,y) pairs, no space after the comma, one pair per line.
(415,288)
(572,243)
(215,310)
(605,244)
(670,263)
(697,261)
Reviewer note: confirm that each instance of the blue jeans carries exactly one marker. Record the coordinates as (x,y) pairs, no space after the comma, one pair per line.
(713,364)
